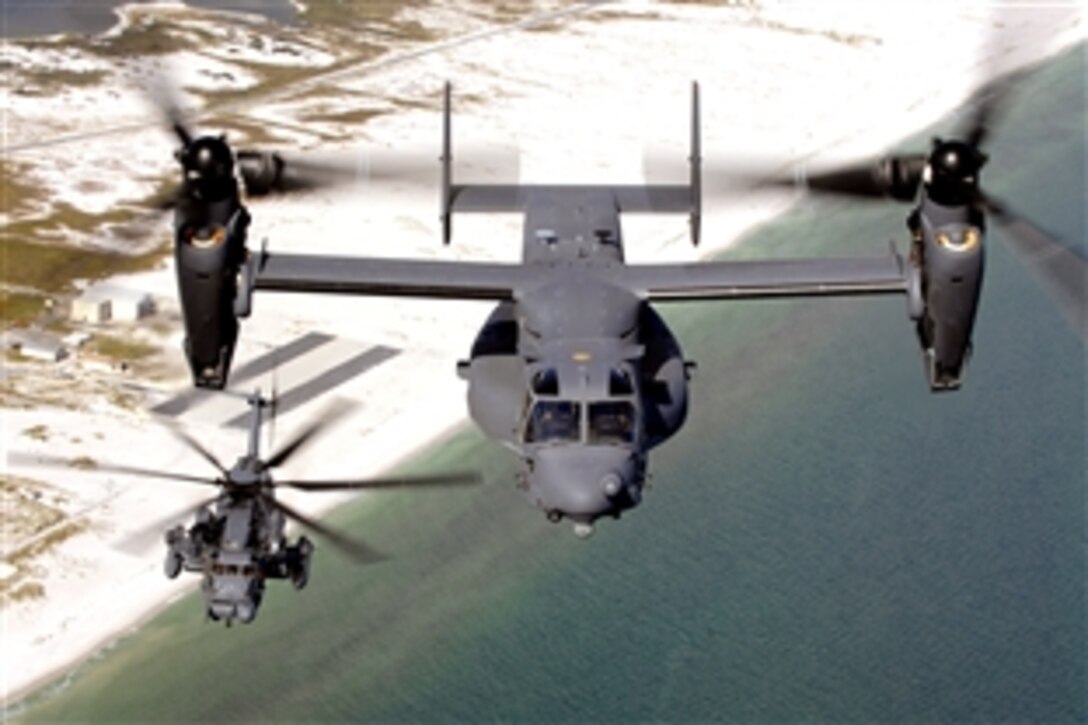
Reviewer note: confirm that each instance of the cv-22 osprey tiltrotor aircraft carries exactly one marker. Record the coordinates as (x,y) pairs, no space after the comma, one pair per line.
(574,369)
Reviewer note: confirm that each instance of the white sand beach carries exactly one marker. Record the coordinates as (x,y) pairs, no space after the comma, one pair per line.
(580,99)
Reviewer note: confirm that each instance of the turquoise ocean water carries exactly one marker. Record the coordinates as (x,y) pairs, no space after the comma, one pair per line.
(826,540)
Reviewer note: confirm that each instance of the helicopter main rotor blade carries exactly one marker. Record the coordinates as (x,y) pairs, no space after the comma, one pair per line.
(162,92)
(104,467)
(896,177)
(437,481)
(991,99)
(1061,271)
(358,551)
(330,415)
(267,173)
(140,541)
(197,448)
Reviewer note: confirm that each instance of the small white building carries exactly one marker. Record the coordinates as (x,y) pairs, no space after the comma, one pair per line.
(91,309)
(37,345)
(130,306)
(104,303)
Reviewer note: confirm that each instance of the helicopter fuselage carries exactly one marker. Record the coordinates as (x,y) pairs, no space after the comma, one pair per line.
(236,545)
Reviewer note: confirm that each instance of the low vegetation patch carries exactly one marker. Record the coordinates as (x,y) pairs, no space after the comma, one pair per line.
(22,592)
(51,80)
(52,267)
(55,537)
(19,586)
(18,309)
(145,36)
(354,16)
(120,349)
(83,463)
(17,195)
(354,117)
(30,507)
(37,432)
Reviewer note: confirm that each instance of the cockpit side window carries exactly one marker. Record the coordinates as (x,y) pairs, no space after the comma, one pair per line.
(546,382)
(611,422)
(619,382)
(554,421)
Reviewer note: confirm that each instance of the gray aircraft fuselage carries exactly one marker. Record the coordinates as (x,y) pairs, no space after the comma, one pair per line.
(577,374)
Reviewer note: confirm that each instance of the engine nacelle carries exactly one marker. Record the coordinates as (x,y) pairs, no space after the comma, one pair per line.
(209,255)
(496,376)
(262,173)
(664,378)
(948,265)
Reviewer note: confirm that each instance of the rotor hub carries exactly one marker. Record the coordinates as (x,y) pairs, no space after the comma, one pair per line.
(208,164)
(952,170)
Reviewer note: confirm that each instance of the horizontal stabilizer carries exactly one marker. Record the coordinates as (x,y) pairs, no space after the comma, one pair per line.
(515,198)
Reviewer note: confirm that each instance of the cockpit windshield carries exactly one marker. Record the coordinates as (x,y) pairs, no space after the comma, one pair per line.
(611,422)
(554,421)
(246,570)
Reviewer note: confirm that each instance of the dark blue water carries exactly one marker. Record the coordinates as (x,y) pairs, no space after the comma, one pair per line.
(30,18)
(826,540)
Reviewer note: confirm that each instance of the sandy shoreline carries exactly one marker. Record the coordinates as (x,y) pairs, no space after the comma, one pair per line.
(820,85)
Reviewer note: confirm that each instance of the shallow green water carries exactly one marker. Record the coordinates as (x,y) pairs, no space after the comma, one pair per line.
(825,540)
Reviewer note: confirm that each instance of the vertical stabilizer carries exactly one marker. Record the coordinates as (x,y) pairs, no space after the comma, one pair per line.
(447,161)
(696,162)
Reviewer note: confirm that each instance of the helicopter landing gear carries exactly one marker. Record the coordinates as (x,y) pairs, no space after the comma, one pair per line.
(298,562)
(175,559)
(172,565)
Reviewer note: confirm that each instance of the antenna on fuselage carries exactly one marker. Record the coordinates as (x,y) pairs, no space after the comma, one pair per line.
(696,163)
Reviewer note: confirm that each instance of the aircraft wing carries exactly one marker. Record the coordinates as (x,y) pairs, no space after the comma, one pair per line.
(656,282)
(388,277)
(768,278)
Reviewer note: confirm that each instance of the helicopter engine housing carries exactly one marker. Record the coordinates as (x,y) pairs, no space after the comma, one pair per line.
(496,375)
(948,261)
(209,253)
(664,378)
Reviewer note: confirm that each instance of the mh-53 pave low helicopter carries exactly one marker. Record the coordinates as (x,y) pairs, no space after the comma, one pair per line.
(238,540)
(574,369)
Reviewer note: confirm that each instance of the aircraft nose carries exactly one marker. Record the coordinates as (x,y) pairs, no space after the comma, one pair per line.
(583,483)
(244,610)
(221,609)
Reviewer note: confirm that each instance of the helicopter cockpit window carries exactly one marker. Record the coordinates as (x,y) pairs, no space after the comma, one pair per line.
(619,382)
(546,382)
(554,421)
(247,570)
(611,422)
